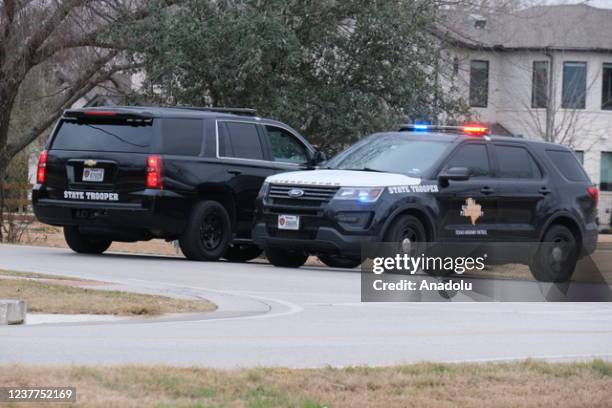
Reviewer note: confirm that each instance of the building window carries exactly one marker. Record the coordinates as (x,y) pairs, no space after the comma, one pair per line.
(606,172)
(580,156)
(479,84)
(455,66)
(606,90)
(574,85)
(539,85)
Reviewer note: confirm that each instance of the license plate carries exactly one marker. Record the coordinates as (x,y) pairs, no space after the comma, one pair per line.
(93,174)
(289,222)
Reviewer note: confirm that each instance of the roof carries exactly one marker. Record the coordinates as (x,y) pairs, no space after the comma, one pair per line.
(562,27)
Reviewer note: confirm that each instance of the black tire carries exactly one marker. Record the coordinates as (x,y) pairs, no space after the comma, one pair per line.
(286,258)
(208,232)
(336,261)
(242,253)
(406,227)
(85,244)
(556,258)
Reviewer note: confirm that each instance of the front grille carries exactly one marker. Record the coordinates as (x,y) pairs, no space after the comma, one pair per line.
(311,201)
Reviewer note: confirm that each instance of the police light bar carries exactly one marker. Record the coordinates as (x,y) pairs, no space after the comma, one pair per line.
(472,129)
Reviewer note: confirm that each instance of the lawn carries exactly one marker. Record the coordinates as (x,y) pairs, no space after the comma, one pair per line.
(52,294)
(524,384)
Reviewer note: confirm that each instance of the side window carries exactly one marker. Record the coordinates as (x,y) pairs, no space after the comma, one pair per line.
(240,140)
(516,162)
(182,136)
(474,157)
(285,147)
(567,163)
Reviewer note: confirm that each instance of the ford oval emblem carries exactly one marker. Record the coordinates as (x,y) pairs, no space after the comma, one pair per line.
(295,192)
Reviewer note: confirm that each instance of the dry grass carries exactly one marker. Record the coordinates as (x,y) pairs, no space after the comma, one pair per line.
(524,384)
(34,275)
(56,296)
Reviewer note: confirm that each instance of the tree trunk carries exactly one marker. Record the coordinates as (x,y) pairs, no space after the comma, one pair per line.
(2,173)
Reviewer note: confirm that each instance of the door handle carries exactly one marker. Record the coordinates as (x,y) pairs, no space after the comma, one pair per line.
(545,190)
(487,190)
(235,172)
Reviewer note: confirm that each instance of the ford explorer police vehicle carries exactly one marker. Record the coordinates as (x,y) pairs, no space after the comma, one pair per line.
(138,173)
(432,184)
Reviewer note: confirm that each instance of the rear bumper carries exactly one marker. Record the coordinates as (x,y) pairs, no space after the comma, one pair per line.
(155,215)
(589,239)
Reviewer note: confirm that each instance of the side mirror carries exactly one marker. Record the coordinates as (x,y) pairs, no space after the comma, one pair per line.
(319,157)
(454,173)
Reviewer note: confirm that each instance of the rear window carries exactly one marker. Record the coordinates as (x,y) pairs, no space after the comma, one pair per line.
(103,137)
(567,164)
(182,136)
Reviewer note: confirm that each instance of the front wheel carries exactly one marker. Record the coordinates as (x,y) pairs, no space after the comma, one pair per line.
(242,253)
(286,258)
(85,244)
(208,232)
(556,258)
(335,261)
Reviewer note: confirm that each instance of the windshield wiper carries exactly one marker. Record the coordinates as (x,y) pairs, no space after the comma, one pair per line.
(367,169)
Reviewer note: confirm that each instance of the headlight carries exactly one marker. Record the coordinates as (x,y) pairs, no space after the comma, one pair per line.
(264,189)
(363,194)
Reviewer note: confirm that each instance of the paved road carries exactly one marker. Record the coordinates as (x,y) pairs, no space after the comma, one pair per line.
(299,318)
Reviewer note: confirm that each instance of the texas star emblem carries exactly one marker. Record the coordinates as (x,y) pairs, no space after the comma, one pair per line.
(472,210)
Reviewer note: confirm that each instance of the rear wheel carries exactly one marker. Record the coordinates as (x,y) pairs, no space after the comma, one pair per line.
(286,258)
(85,244)
(555,259)
(336,261)
(242,253)
(208,232)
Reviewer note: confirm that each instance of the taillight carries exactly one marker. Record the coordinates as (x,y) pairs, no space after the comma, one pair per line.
(41,172)
(155,166)
(594,193)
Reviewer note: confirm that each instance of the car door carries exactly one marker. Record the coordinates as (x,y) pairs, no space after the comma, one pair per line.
(468,208)
(243,152)
(523,189)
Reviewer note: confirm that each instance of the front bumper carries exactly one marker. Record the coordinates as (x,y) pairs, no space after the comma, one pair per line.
(327,240)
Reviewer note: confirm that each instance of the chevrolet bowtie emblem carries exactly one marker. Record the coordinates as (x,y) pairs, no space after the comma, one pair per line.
(472,210)
(90,163)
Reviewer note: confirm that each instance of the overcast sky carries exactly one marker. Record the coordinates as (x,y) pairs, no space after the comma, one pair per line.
(594,3)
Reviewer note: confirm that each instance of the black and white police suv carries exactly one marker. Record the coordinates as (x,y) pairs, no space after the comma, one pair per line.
(429,184)
(188,174)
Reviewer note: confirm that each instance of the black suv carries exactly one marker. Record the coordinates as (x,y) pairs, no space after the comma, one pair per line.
(432,185)
(137,173)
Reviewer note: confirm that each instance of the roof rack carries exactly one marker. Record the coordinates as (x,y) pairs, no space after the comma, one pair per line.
(235,111)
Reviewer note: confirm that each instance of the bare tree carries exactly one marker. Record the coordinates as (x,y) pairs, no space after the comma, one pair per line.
(36,33)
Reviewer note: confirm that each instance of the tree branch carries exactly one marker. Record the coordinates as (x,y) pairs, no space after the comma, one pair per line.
(88,81)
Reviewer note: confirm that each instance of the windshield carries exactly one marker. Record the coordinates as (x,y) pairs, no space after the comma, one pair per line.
(392,154)
(103,137)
